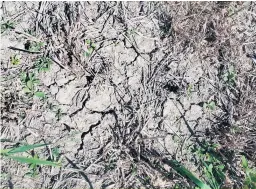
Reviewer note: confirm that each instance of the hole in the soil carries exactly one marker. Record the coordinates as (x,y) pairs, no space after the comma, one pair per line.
(165,25)
(210,34)
(90,79)
(167,68)
(27,45)
(171,88)
(221,52)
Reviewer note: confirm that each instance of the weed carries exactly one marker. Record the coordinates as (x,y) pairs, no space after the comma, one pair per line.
(210,105)
(111,165)
(90,48)
(59,114)
(134,169)
(34,46)
(230,76)
(15,60)
(9,153)
(33,168)
(7,25)
(29,81)
(56,153)
(186,173)
(250,175)
(43,64)
(213,168)
(131,32)
(30,32)
(189,90)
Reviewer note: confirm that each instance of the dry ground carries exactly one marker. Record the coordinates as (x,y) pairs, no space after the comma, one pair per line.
(130,85)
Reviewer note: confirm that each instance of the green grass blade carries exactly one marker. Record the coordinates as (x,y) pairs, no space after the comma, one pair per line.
(25,148)
(186,173)
(5,140)
(244,162)
(34,161)
(4,151)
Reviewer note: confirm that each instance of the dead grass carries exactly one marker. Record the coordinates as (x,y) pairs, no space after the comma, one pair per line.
(130,79)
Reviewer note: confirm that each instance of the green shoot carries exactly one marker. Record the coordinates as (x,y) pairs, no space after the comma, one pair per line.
(210,105)
(90,48)
(29,82)
(9,153)
(230,76)
(250,175)
(15,60)
(43,64)
(7,25)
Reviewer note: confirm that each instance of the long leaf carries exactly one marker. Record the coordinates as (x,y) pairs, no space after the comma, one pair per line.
(34,161)
(186,173)
(5,140)
(244,162)
(25,148)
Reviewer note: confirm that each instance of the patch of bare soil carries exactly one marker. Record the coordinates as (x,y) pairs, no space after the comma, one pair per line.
(128,87)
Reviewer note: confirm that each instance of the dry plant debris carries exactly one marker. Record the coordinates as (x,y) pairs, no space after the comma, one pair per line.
(128,95)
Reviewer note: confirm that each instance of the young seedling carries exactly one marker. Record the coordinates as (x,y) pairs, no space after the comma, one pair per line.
(43,64)
(29,81)
(59,114)
(210,105)
(250,175)
(11,154)
(230,77)
(213,168)
(33,168)
(186,173)
(15,60)
(6,26)
(56,154)
(189,90)
(33,46)
(90,48)
(134,169)
(30,32)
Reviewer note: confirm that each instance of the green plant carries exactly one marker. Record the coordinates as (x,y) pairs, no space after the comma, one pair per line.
(230,76)
(210,105)
(33,168)
(212,165)
(189,90)
(110,165)
(35,46)
(250,175)
(15,60)
(10,153)
(56,153)
(134,169)
(90,48)
(7,25)
(43,64)
(59,114)
(186,173)
(30,32)
(29,81)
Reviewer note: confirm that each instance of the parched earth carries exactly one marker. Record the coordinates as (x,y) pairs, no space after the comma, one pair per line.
(130,84)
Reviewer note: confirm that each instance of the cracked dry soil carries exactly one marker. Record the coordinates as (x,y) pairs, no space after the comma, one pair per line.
(137,98)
